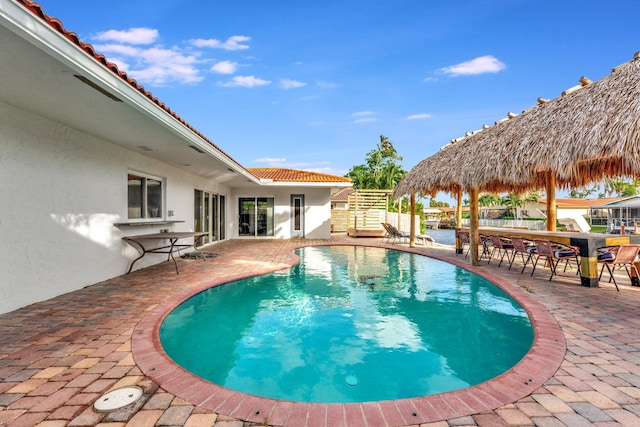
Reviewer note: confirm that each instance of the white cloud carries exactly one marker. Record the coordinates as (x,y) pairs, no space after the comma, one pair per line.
(245,81)
(480,65)
(224,67)
(326,85)
(420,116)
(430,79)
(119,49)
(365,120)
(271,160)
(232,43)
(154,65)
(364,117)
(291,84)
(130,36)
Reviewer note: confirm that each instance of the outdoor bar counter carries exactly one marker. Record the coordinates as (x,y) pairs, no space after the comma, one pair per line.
(588,243)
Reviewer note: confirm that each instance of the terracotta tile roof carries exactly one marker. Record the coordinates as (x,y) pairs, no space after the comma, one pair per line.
(294,175)
(581,203)
(342,195)
(56,24)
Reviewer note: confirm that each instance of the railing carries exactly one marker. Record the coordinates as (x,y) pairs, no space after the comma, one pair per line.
(599,221)
(616,223)
(509,223)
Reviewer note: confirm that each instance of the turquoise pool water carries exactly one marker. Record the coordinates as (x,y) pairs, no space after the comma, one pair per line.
(350,324)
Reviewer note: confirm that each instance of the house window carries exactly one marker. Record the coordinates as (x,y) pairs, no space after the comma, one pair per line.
(145,196)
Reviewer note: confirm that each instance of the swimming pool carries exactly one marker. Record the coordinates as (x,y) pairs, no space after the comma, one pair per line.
(350,324)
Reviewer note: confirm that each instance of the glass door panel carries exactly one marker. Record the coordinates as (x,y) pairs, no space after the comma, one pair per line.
(223,221)
(297,215)
(205,215)
(265,216)
(247,222)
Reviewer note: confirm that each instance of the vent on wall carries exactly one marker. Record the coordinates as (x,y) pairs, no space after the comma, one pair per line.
(194,148)
(96,87)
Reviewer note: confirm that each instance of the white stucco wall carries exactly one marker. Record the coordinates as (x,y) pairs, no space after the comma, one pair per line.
(61,192)
(317,202)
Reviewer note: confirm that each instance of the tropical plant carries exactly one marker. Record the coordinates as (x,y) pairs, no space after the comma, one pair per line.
(488,200)
(513,202)
(583,192)
(616,187)
(382,169)
(433,203)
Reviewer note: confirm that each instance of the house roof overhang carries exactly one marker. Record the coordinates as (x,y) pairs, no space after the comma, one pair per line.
(45,73)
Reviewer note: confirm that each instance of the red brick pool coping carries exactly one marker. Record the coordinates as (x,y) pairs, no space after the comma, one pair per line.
(538,365)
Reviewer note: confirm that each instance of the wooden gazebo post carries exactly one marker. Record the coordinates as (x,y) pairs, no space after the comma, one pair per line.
(459,249)
(552,213)
(412,221)
(474,235)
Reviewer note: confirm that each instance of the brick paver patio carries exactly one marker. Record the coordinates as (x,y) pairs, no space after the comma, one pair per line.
(58,356)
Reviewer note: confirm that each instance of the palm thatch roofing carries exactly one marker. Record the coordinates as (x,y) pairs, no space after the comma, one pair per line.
(590,132)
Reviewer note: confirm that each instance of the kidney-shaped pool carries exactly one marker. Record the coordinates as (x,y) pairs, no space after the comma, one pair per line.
(350,324)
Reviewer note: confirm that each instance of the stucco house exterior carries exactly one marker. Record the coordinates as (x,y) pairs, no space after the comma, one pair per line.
(88,156)
(566,207)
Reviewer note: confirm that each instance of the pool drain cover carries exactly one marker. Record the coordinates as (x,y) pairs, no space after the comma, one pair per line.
(118,398)
(351,380)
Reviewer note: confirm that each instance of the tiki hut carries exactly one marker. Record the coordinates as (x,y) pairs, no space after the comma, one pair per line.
(590,132)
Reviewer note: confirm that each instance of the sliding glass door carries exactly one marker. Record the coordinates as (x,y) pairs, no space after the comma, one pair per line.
(208,215)
(256,216)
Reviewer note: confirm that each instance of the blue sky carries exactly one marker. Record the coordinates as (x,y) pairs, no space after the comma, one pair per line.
(313,84)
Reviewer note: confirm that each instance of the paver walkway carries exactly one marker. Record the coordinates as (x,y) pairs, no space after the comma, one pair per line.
(58,356)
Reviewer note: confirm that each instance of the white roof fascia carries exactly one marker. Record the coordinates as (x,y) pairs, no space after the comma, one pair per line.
(39,33)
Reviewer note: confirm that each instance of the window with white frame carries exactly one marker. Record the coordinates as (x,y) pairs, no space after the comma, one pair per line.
(145,196)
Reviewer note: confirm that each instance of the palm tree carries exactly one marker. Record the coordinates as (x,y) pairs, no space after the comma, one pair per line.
(390,175)
(488,200)
(612,187)
(514,202)
(382,169)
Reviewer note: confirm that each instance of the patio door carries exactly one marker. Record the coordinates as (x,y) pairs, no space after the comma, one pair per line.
(297,215)
(208,216)
(256,216)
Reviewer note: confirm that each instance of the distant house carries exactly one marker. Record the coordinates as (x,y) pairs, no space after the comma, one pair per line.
(340,200)
(89,156)
(617,213)
(566,207)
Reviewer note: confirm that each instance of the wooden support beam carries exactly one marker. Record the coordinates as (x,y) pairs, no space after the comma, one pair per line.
(474,236)
(412,221)
(552,211)
(458,195)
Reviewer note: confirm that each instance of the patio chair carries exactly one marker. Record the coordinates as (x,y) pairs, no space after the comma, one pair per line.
(390,234)
(465,240)
(554,255)
(483,241)
(503,246)
(524,248)
(606,255)
(387,233)
(399,235)
(393,233)
(626,256)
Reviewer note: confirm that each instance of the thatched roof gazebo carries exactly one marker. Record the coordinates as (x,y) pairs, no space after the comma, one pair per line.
(590,132)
